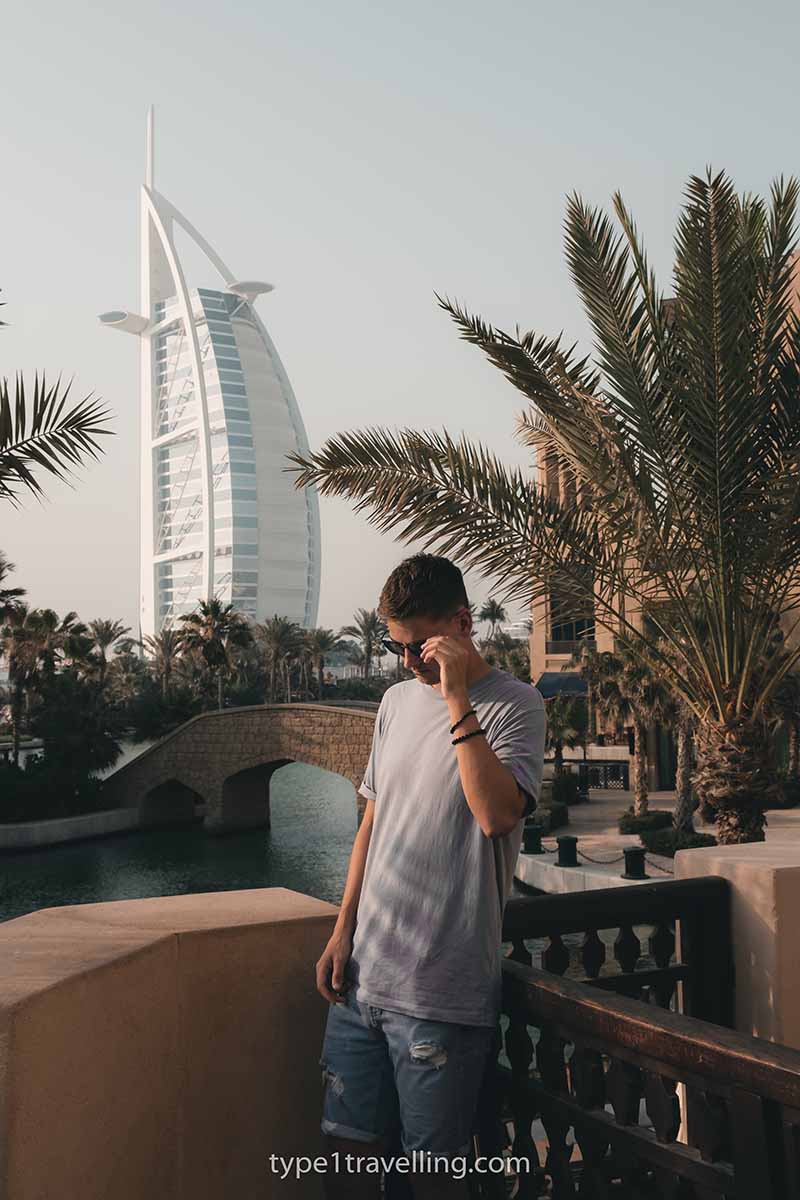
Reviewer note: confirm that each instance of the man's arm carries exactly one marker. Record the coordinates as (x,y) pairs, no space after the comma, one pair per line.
(331,965)
(496,799)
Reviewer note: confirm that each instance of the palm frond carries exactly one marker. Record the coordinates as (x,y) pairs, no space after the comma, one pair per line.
(44,432)
(458,498)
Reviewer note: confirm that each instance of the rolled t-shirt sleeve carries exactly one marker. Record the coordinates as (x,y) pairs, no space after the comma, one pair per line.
(368,783)
(518,743)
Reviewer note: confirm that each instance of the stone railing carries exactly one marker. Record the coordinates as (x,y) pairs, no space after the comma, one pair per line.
(161,1048)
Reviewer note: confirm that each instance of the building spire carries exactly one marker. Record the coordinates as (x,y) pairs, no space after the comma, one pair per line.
(150,147)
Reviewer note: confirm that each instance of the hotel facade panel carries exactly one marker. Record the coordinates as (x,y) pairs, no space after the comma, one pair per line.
(220,515)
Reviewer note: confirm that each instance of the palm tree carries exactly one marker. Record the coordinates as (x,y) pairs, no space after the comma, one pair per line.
(590,667)
(164,649)
(493,612)
(278,638)
(566,726)
(321,642)
(8,595)
(787,712)
(649,704)
(212,632)
(40,431)
(18,645)
(52,634)
(624,693)
(682,815)
(368,629)
(500,648)
(682,441)
(105,634)
(127,674)
(77,650)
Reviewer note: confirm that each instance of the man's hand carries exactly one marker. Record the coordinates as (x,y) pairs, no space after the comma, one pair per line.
(452,655)
(331,965)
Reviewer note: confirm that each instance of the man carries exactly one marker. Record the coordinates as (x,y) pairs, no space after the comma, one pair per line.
(412,969)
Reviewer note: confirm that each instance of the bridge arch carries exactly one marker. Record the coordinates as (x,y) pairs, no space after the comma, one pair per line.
(245,795)
(169,803)
(228,757)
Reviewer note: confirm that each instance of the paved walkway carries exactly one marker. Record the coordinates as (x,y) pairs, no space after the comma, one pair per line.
(596,822)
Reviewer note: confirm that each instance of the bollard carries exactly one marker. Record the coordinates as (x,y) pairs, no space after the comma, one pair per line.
(567,850)
(532,839)
(634,863)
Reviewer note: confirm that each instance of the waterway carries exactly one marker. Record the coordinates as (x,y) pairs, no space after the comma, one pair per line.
(307,848)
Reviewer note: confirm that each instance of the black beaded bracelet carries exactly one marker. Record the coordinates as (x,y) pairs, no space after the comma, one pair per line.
(464,736)
(471,713)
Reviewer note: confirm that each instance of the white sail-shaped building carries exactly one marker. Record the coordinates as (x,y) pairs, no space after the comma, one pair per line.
(220,515)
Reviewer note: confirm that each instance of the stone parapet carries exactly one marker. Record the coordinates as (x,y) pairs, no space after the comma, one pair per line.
(161,1048)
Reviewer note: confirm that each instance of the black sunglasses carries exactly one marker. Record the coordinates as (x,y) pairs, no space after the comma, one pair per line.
(415,647)
(400,648)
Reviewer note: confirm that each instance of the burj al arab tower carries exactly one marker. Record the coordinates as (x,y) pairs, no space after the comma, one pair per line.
(220,515)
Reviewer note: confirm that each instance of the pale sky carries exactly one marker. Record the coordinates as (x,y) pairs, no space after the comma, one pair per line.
(359,156)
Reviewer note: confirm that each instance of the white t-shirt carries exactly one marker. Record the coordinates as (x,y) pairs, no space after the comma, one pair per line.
(428,933)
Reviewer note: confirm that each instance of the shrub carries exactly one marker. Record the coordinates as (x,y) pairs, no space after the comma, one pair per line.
(657,819)
(43,790)
(669,841)
(788,795)
(565,788)
(358,689)
(552,817)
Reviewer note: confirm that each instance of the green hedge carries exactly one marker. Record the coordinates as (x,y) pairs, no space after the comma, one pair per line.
(656,819)
(669,841)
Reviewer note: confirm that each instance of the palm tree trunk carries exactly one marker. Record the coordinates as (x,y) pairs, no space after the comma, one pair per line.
(735,777)
(558,758)
(220,697)
(591,716)
(639,768)
(684,799)
(321,676)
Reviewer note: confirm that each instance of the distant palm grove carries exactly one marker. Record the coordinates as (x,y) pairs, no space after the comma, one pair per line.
(83,687)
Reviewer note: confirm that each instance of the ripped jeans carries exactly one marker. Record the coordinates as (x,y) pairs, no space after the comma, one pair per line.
(386,1072)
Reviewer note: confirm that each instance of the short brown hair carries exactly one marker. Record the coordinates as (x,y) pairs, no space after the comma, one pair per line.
(425,584)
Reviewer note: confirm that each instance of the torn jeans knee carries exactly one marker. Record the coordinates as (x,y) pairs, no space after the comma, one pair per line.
(430,1053)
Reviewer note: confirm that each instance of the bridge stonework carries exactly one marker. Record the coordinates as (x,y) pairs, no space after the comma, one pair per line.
(226,759)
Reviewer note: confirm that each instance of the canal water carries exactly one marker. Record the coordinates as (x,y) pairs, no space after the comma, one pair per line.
(307,849)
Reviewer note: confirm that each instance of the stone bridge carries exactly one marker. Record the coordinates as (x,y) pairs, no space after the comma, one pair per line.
(225,759)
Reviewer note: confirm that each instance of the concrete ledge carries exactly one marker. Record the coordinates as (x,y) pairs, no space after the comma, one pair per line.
(542,872)
(161,1047)
(23,835)
(765,900)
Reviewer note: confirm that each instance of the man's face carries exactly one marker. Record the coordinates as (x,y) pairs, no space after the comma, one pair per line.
(417,629)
